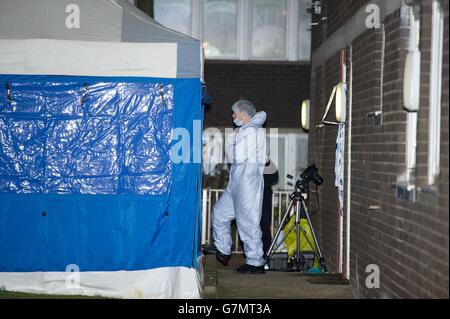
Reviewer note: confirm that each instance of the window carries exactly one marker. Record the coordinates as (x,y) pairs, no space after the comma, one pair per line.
(242,29)
(174,14)
(289,152)
(434,123)
(220,28)
(269,28)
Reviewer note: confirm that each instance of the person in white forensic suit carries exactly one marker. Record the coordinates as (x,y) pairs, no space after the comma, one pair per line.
(242,199)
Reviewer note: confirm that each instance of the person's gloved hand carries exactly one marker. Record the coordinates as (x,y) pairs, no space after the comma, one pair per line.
(206,98)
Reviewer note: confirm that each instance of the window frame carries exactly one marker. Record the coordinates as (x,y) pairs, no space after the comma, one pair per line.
(435,93)
(244,31)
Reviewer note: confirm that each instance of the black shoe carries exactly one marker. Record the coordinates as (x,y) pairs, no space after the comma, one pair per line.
(220,257)
(249,269)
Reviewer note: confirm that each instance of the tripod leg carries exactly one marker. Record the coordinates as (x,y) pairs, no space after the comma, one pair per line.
(271,251)
(316,254)
(284,238)
(299,258)
(319,251)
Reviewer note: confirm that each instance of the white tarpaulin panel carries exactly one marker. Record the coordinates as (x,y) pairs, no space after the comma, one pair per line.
(56,57)
(168,282)
(104,25)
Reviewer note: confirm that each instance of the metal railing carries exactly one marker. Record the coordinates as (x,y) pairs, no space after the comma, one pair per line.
(280,201)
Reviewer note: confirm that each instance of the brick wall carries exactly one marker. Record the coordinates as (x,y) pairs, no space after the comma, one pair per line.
(322,153)
(444,176)
(276,87)
(318,30)
(336,15)
(407,240)
(146,5)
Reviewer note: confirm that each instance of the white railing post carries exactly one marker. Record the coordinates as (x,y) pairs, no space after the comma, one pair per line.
(204,216)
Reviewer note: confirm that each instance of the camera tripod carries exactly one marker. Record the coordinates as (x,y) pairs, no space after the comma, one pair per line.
(297,200)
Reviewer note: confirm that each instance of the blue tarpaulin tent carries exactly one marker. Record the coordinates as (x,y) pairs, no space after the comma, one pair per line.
(91,200)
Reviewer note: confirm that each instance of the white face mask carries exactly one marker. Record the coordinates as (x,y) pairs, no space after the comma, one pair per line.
(238,122)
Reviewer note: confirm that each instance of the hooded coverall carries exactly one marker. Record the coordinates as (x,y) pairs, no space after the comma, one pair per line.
(242,198)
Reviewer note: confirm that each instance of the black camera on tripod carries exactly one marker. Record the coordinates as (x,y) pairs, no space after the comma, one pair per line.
(308,175)
(297,203)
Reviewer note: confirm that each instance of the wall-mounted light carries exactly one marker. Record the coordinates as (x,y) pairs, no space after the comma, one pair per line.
(340,103)
(338,95)
(411,81)
(305,114)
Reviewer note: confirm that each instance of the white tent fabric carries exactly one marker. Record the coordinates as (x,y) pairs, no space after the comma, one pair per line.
(168,282)
(103,28)
(56,57)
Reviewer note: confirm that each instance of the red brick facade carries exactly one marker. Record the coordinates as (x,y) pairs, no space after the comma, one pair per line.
(407,240)
(276,87)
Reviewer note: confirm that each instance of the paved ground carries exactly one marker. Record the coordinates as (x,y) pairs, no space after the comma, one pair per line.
(272,285)
(24,295)
(222,283)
